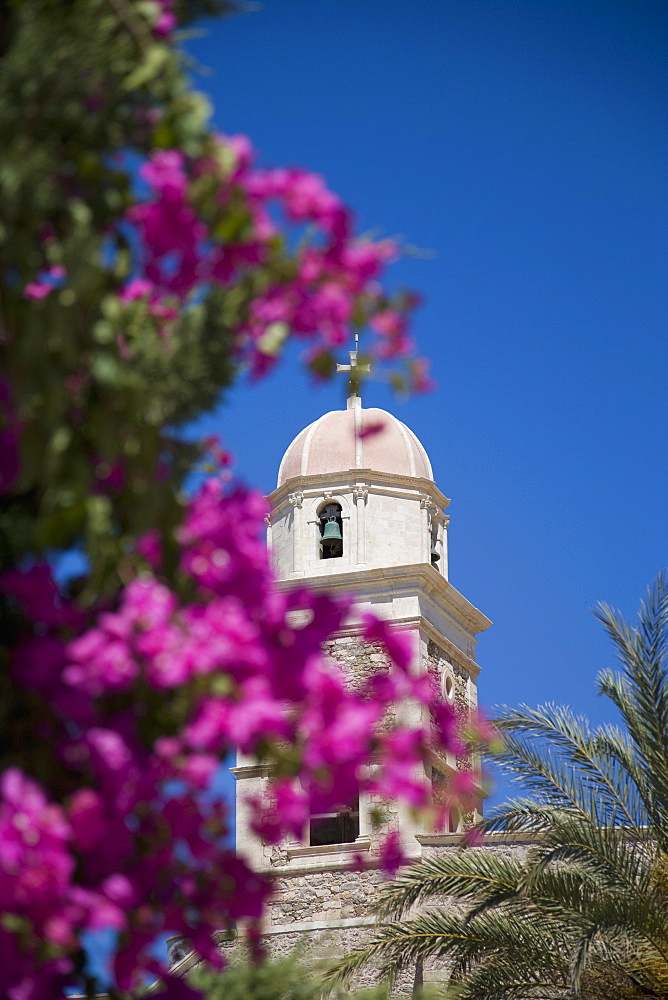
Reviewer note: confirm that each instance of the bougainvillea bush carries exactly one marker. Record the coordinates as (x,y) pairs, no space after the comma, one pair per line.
(147,260)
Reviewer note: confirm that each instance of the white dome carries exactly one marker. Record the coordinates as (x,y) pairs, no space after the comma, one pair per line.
(355,439)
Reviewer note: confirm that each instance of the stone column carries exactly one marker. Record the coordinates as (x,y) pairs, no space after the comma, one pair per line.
(430,508)
(365,808)
(296,499)
(360,494)
(444,521)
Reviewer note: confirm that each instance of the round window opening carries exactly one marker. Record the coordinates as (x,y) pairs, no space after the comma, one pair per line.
(449,688)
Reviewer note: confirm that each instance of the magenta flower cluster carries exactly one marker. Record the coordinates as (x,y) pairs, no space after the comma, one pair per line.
(124,713)
(332,274)
(136,844)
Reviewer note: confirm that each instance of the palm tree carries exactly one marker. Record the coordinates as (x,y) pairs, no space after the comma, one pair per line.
(582,911)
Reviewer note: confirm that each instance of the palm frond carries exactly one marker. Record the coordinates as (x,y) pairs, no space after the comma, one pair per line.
(467,875)
(398,945)
(500,979)
(555,753)
(619,856)
(641,693)
(617,754)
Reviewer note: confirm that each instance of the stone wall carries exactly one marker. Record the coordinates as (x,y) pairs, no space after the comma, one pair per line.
(327,944)
(324,895)
(323,915)
(441,666)
(358,658)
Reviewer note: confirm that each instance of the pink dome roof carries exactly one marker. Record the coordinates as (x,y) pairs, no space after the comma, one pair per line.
(355,439)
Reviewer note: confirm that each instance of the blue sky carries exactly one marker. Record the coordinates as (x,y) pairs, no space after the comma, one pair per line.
(524,145)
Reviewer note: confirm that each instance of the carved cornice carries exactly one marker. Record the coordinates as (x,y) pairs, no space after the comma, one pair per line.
(347,479)
(366,583)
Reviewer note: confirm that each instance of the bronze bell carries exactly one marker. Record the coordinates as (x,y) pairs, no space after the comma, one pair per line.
(434,555)
(332,539)
(332,532)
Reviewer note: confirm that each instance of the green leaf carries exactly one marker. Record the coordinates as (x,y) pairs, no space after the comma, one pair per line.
(106,369)
(154,61)
(60,439)
(273,338)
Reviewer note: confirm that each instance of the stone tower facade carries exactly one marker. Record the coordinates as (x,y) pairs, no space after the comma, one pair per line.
(356,510)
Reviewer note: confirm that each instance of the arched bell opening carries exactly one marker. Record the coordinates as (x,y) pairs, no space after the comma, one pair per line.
(330,524)
(434,554)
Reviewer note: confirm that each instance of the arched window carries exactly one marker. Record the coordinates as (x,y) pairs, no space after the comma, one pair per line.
(337,827)
(331,531)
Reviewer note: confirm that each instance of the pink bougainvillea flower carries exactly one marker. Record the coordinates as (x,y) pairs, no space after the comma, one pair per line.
(149,547)
(398,645)
(371,429)
(420,379)
(474,837)
(164,171)
(165,24)
(402,775)
(447,726)
(463,783)
(37,592)
(45,284)
(137,288)
(366,260)
(37,290)
(243,151)
(88,817)
(392,855)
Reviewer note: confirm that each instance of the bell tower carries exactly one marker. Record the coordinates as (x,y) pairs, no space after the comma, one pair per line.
(356,510)
(355,492)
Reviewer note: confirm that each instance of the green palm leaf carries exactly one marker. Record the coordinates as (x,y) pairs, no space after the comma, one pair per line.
(473,875)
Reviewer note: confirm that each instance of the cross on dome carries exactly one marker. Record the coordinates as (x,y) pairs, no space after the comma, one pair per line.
(353,368)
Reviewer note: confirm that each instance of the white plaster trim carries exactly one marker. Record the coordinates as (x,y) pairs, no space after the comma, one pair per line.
(319,925)
(359,446)
(325,850)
